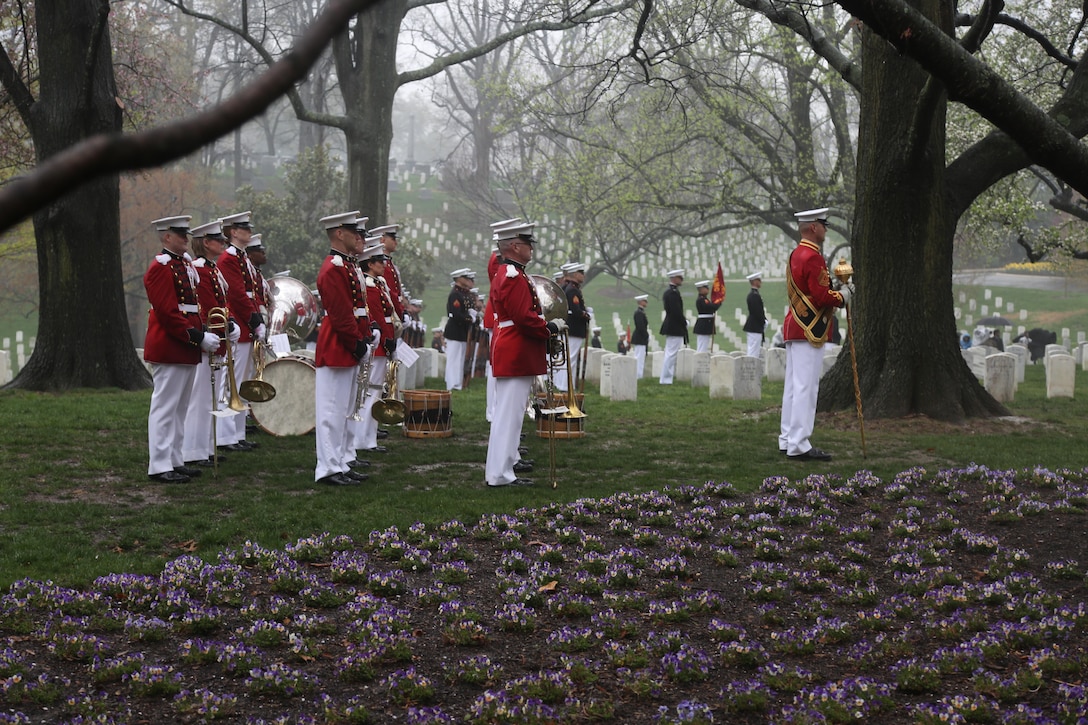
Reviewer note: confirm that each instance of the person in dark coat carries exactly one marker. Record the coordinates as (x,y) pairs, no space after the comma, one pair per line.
(756,322)
(640,338)
(704,321)
(675,326)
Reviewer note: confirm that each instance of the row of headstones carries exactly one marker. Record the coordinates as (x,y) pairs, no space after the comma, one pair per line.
(13,359)
(1002,372)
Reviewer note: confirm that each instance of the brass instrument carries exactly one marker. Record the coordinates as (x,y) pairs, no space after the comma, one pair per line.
(257,390)
(219,318)
(844,271)
(390,410)
(553,302)
(293,309)
(362,386)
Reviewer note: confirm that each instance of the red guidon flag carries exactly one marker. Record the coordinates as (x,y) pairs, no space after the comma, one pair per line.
(717,292)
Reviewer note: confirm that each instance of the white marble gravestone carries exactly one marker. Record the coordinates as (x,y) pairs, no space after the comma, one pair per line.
(1022,355)
(685,365)
(776,363)
(700,375)
(721,376)
(624,378)
(1060,375)
(1000,380)
(593,365)
(747,378)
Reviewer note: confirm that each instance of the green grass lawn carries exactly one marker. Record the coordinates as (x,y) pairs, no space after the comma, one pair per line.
(75,502)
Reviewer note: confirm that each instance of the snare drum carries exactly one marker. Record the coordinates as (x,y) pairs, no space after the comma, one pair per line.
(291,412)
(428,414)
(561,427)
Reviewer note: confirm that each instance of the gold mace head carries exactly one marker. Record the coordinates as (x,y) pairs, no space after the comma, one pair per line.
(843,270)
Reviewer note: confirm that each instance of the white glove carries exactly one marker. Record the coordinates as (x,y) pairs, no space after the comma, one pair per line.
(847,292)
(472,314)
(258,334)
(235,333)
(210,343)
(560,325)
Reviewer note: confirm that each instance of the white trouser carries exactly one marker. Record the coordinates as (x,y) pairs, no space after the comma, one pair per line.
(334,401)
(365,431)
(803,365)
(576,344)
(226,431)
(455,364)
(198,415)
(640,359)
(166,417)
(243,370)
(668,367)
(755,344)
(511,395)
(702,343)
(489,406)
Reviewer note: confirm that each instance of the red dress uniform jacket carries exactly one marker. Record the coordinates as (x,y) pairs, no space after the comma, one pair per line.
(521,334)
(262,294)
(241,288)
(212,292)
(346,320)
(493,266)
(396,292)
(171,284)
(810,274)
(381,305)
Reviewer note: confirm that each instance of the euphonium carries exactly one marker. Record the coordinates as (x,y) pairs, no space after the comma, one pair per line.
(362,386)
(390,410)
(219,319)
(257,390)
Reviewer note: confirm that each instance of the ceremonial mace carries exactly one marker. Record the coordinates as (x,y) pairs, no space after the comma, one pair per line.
(843,271)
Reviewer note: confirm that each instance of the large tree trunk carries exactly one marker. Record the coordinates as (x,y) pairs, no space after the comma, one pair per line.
(83,334)
(908,358)
(367,71)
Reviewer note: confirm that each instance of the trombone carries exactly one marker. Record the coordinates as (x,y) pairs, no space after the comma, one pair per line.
(219,319)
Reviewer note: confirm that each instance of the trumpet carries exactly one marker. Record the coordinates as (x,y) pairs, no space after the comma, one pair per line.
(390,410)
(257,390)
(219,319)
(362,386)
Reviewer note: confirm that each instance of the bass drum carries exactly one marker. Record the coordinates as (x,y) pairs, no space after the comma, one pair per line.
(291,412)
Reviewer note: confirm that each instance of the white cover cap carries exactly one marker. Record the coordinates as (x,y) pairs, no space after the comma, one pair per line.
(642,297)
(675,272)
(255,241)
(211,229)
(573,267)
(755,275)
(812,215)
(703,283)
(343,219)
(463,272)
(390,229)
(172,222)
(241,219)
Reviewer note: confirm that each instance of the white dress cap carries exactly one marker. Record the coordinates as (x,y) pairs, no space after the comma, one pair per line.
(506,223)
(416,302)
(812,215)
(344,219)
(172,222)
(513,232)
(703,283)
(642,297)
(241,219)
(557,275)
(573,267)
(463,272)
(361,223)
(372,251)
(255,241)
(755,275)
(675,272)
(210,229)
(390,229)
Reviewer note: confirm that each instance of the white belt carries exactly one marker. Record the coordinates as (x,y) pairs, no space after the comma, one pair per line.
(249,295)
(506,323)
(193,309)
(388,319)
(360,311)
(706,317)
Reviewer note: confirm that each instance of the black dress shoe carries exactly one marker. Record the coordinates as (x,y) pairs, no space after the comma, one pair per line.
(376,449)
(358,463)
(188,471)
(203,463)
(523,467)
(523,451)
(169,477)
(528,461)
(337,479)
(382,433)
(782,451)
(360,477)
(812,454)
(515,482)
(236,447)
(248,445)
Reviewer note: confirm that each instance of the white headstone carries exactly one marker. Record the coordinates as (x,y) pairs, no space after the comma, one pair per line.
(1000,378)
(5,367)
(721,377)
(654,360)
(426,362)
(624,377)
(1060,375)
(700,375)
(685,364)
(1052,350)
(593,365)
(1022,355)
(18,336)
(776,364)
(747,378)
(606,374)
(976,360)
(829,362)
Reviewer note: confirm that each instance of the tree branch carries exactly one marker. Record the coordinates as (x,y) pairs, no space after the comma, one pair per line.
(93,49)
(112,153)
(971,82)
(16,88)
